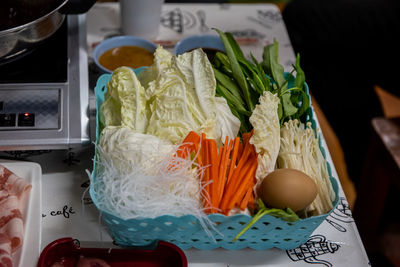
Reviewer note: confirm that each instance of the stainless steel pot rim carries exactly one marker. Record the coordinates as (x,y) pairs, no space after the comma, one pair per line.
(26,25)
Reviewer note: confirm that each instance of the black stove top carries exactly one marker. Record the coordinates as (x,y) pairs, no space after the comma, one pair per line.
(47,63)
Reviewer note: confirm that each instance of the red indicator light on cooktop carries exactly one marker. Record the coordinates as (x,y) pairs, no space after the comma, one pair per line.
(26,119)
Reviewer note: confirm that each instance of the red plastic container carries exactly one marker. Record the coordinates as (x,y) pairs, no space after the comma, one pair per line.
(68,253)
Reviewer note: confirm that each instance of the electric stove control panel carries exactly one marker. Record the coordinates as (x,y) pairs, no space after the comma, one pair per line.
(30,109)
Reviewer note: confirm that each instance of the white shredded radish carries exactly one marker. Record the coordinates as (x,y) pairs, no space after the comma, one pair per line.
(172,187)
(300,150)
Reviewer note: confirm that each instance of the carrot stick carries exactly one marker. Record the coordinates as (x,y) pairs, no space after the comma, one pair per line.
(192,137)
(188,144)
(246,137)
(232,175)
(213,154)
(223,169)
(229,189)
(245,141)
(227,155)
(199,150)
(220,180)
(248,157)
(240,152)
(252,202)
(208,156)
(203,136)
(232,164)
(246,198)
(222,152)
(234,181)
(203,153)
(247,181)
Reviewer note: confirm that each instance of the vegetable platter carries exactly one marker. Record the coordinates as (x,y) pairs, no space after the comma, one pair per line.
(208,155)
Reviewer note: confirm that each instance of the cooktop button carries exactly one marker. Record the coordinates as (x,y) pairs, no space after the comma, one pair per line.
(26,119)
(7,120)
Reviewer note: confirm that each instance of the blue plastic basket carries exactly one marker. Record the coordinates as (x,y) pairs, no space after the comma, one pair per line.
(186,231)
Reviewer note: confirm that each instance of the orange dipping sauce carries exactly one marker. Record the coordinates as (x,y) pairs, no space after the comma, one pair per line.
(129,56)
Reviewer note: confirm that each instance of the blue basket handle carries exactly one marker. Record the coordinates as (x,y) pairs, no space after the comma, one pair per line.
(101,88)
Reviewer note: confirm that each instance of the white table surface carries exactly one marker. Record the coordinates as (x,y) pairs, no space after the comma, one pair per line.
(66,207)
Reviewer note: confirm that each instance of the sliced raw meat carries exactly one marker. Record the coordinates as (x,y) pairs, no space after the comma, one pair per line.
(11,221)
(12,183)
(5,251)
(14,191)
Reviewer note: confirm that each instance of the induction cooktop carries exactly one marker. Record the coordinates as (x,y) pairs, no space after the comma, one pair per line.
(44,94)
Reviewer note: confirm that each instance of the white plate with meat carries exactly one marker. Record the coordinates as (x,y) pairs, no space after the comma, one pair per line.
(20,208)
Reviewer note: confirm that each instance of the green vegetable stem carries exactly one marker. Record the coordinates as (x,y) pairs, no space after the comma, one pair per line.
(234,53)
(287,215)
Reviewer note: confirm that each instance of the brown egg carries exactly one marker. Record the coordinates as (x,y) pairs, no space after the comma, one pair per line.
(291,188)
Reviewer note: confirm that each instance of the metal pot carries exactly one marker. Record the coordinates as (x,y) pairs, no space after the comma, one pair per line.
(26,23)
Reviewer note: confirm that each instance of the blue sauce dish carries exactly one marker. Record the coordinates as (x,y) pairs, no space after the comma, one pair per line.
(209,43)
(130,51)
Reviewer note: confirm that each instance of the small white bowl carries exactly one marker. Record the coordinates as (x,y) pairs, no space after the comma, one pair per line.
(118,41)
